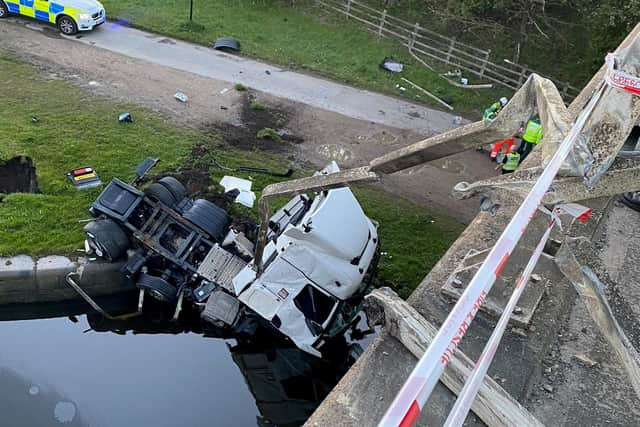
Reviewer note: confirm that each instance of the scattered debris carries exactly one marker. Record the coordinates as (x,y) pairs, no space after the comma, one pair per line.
(125,118)
(426,92)
(227,44)
(536,278)
(389,64)
(457,120)
(83,178)
(517,310)
(585,360)
(245,196)
(181,97)
(94,83)
(267,72)
(519,331)
(223,91)
(547,388)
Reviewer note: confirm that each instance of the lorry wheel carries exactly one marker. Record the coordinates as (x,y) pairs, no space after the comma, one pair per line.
(175,187)
(107,239)
(4,10)
(211,218)
(160,193)
(157,287)
(67,26)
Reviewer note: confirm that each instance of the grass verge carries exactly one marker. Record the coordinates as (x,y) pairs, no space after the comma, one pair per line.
(304,36)
(76,130)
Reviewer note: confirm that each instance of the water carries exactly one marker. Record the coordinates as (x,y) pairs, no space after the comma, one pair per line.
(54,372)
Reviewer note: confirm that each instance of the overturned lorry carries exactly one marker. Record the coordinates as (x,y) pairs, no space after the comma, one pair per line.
(317,258)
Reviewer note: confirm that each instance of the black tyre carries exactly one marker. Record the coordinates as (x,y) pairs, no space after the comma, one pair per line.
(157,287)
(67,25)
(632,200)
(175,187)
(4,10)
(211,218)
(160,193)
(107,239)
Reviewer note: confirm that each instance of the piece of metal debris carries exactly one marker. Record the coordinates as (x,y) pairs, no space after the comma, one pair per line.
(547,388)
(244,195)
(536,278)
(181,97)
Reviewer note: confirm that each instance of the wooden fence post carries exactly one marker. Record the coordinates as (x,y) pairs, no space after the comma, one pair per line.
(451,47)
(414,35)
(348,7)
(382,19)
(522,76)
(483,68)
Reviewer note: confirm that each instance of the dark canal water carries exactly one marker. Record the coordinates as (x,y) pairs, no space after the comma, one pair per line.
(147,372)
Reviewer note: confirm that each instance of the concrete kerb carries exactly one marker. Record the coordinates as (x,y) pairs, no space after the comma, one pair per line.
(25,280)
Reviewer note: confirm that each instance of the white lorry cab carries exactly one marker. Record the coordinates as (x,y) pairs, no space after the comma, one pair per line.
(70,16)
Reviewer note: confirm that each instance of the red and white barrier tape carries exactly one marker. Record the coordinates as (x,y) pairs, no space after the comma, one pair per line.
(406,407)
(619,79)
(466,397)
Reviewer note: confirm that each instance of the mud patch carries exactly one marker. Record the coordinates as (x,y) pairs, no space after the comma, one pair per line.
(253,119)
(18,175)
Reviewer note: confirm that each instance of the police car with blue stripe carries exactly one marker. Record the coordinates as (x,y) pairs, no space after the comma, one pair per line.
(70,16)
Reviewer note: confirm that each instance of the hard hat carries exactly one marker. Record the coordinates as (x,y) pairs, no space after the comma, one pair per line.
(504,101)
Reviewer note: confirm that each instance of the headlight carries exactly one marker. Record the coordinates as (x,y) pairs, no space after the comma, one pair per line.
(84,16)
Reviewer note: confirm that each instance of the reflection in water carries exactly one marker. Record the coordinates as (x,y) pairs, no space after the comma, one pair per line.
(151,371)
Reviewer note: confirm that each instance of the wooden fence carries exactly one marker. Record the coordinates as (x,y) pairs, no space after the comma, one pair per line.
(431,46)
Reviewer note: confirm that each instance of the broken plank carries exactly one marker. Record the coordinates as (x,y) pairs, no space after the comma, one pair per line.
(493,405)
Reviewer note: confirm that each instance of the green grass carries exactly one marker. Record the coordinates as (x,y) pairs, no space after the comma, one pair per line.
(76,130)
(258,106)
(268,133)
(301,36)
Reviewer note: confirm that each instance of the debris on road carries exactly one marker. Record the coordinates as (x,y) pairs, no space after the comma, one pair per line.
(83,178)
(227,44)
(181,97)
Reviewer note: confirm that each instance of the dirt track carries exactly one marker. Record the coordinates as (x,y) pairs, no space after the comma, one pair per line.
(320,135)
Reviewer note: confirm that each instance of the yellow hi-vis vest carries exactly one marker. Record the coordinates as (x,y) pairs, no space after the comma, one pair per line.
(513,159)
(533,132)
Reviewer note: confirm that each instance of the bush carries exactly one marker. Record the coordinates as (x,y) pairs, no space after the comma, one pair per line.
(255,105)
(240,87)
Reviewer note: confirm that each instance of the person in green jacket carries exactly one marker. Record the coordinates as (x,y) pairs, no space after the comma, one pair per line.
(492,112)
(532,136)
(510,162)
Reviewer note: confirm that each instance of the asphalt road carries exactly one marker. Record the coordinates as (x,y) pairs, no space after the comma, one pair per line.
(310,90)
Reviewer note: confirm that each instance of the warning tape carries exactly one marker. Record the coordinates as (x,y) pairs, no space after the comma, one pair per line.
(406,407)
(470,390)
(619,79)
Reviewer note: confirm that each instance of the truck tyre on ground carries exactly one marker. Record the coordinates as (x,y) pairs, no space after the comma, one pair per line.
(211,218)
(67,26)
(176,188)
(157,287)
(4,10)
(160,193)
(107,239)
